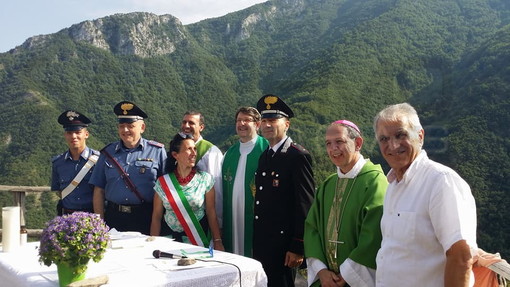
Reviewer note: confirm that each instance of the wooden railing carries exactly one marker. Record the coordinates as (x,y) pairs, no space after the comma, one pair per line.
(19,193)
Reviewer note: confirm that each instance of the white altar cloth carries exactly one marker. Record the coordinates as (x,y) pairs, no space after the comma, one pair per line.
(130,263)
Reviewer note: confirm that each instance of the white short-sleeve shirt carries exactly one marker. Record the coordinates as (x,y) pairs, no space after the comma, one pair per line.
(425,213)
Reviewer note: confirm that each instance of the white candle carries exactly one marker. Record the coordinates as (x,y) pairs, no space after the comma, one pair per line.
(10,228)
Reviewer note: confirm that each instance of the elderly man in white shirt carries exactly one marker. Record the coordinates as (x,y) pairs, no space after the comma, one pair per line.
(429,216)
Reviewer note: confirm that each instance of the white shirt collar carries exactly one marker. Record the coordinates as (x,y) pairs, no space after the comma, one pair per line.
(354,170)
(250,142)
(410,170)
(247,147)
(279,144)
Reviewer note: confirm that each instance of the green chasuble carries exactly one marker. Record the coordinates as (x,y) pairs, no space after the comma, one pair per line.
(202,147)
(229,170)
(359,216)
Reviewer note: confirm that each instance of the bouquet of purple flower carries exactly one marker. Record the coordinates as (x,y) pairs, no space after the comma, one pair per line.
(74,239)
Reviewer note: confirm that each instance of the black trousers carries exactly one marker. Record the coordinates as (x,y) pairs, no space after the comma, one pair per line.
(282,277)
(129,217)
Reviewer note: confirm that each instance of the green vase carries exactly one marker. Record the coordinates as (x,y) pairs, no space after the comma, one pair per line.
(68,274)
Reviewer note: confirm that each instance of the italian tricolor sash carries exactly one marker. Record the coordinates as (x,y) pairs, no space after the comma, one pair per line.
(183,210)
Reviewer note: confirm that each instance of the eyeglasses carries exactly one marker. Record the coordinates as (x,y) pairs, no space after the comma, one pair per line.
(244,120)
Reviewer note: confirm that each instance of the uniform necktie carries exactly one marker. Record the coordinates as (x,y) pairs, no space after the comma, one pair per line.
(270,153)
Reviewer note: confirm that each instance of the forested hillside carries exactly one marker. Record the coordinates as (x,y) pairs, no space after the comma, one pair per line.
(477,116)
(329,59)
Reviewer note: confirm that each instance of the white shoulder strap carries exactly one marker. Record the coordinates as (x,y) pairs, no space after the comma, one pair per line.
(81,174)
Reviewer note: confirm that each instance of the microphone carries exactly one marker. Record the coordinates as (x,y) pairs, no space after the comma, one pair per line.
(159,254)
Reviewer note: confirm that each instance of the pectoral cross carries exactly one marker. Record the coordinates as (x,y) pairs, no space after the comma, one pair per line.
(336,242)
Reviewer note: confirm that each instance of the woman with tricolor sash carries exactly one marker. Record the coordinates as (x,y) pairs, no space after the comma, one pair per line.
(185,197)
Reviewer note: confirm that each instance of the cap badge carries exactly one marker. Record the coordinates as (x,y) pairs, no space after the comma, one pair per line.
(126,107)
(71,115)
(269,101)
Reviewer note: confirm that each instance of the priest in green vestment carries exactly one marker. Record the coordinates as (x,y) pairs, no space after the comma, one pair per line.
(239,166)
(342,229)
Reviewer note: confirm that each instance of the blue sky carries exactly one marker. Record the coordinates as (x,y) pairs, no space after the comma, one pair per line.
(22,19)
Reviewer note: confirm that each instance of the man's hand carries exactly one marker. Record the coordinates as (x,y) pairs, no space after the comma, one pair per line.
(293,260)
(330,279)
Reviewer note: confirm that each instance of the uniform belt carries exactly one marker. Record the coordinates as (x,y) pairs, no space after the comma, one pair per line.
(68,211)
(125,208)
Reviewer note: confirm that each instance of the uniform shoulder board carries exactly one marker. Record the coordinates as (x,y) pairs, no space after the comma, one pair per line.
(155,143)
(54,158)
(106,146)
(96,152)
(298,147)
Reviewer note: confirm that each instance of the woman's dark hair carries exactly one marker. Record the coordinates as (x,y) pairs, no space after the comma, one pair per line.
(175,145)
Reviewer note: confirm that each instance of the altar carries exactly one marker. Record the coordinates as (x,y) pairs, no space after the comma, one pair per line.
(130,262)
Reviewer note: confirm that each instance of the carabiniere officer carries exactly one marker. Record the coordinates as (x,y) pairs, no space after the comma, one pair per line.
(71,170)
(126,172)
(283,195)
